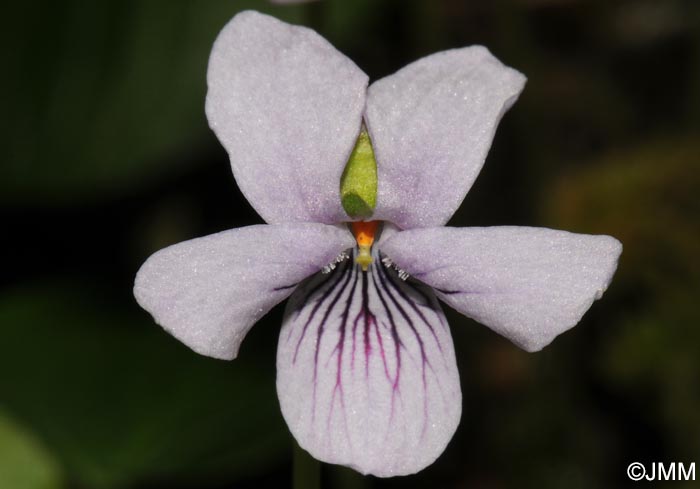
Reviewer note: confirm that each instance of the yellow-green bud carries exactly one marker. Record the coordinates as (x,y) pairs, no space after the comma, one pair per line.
(358,185)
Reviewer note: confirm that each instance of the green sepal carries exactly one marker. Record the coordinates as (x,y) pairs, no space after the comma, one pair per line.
(358,185)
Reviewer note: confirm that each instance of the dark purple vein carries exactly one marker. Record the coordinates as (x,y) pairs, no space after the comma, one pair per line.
(338,274)
(398,287)
(383,278)
(395,386)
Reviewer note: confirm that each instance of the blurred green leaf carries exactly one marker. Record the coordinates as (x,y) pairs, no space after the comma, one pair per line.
(24,462)
(119,401)
(645,196)
(105,93)
(652,357)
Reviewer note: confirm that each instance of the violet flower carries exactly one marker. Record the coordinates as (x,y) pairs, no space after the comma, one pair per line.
(366,372)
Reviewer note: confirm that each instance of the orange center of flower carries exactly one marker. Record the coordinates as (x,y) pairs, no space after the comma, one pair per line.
(364,232)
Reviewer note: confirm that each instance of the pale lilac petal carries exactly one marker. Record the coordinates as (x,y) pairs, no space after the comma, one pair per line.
(366,372)
(431,125)
(208,292)
(527,284)
(287,106)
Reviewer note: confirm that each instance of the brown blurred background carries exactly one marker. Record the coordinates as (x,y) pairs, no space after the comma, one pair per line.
(106,157)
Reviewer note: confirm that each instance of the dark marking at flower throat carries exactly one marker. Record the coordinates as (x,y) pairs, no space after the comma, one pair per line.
(367,308)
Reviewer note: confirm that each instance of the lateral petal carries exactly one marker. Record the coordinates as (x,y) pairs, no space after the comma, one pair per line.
(431,125)
(366,372)
(287,106)
(208,292)
(527,284)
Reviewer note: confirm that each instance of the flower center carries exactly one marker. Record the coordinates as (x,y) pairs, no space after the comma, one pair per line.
(364,232)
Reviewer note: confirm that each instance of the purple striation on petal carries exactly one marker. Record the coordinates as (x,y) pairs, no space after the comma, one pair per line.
(431,125)
(288,107)
(208,292)
(527,284)
(366,373)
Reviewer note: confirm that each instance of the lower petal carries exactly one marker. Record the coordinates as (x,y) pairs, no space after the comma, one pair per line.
(208,292)
(527,284)
(366,371)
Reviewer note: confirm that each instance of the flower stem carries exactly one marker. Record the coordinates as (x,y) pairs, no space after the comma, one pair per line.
(306,470)
(344,478)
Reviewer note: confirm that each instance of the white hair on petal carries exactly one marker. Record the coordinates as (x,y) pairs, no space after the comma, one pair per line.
(338,259)
(403,274)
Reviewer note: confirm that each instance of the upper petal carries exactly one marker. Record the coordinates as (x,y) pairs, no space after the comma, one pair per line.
(208,292)
(287,106)
(527,284)
(431,125)
(366,372)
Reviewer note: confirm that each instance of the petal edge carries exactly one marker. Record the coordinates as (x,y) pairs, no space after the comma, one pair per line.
(432,124)
(366,372)
(208,292)
(527,284)
(287,106)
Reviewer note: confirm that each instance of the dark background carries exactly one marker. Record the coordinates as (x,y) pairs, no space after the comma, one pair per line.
(106,157)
